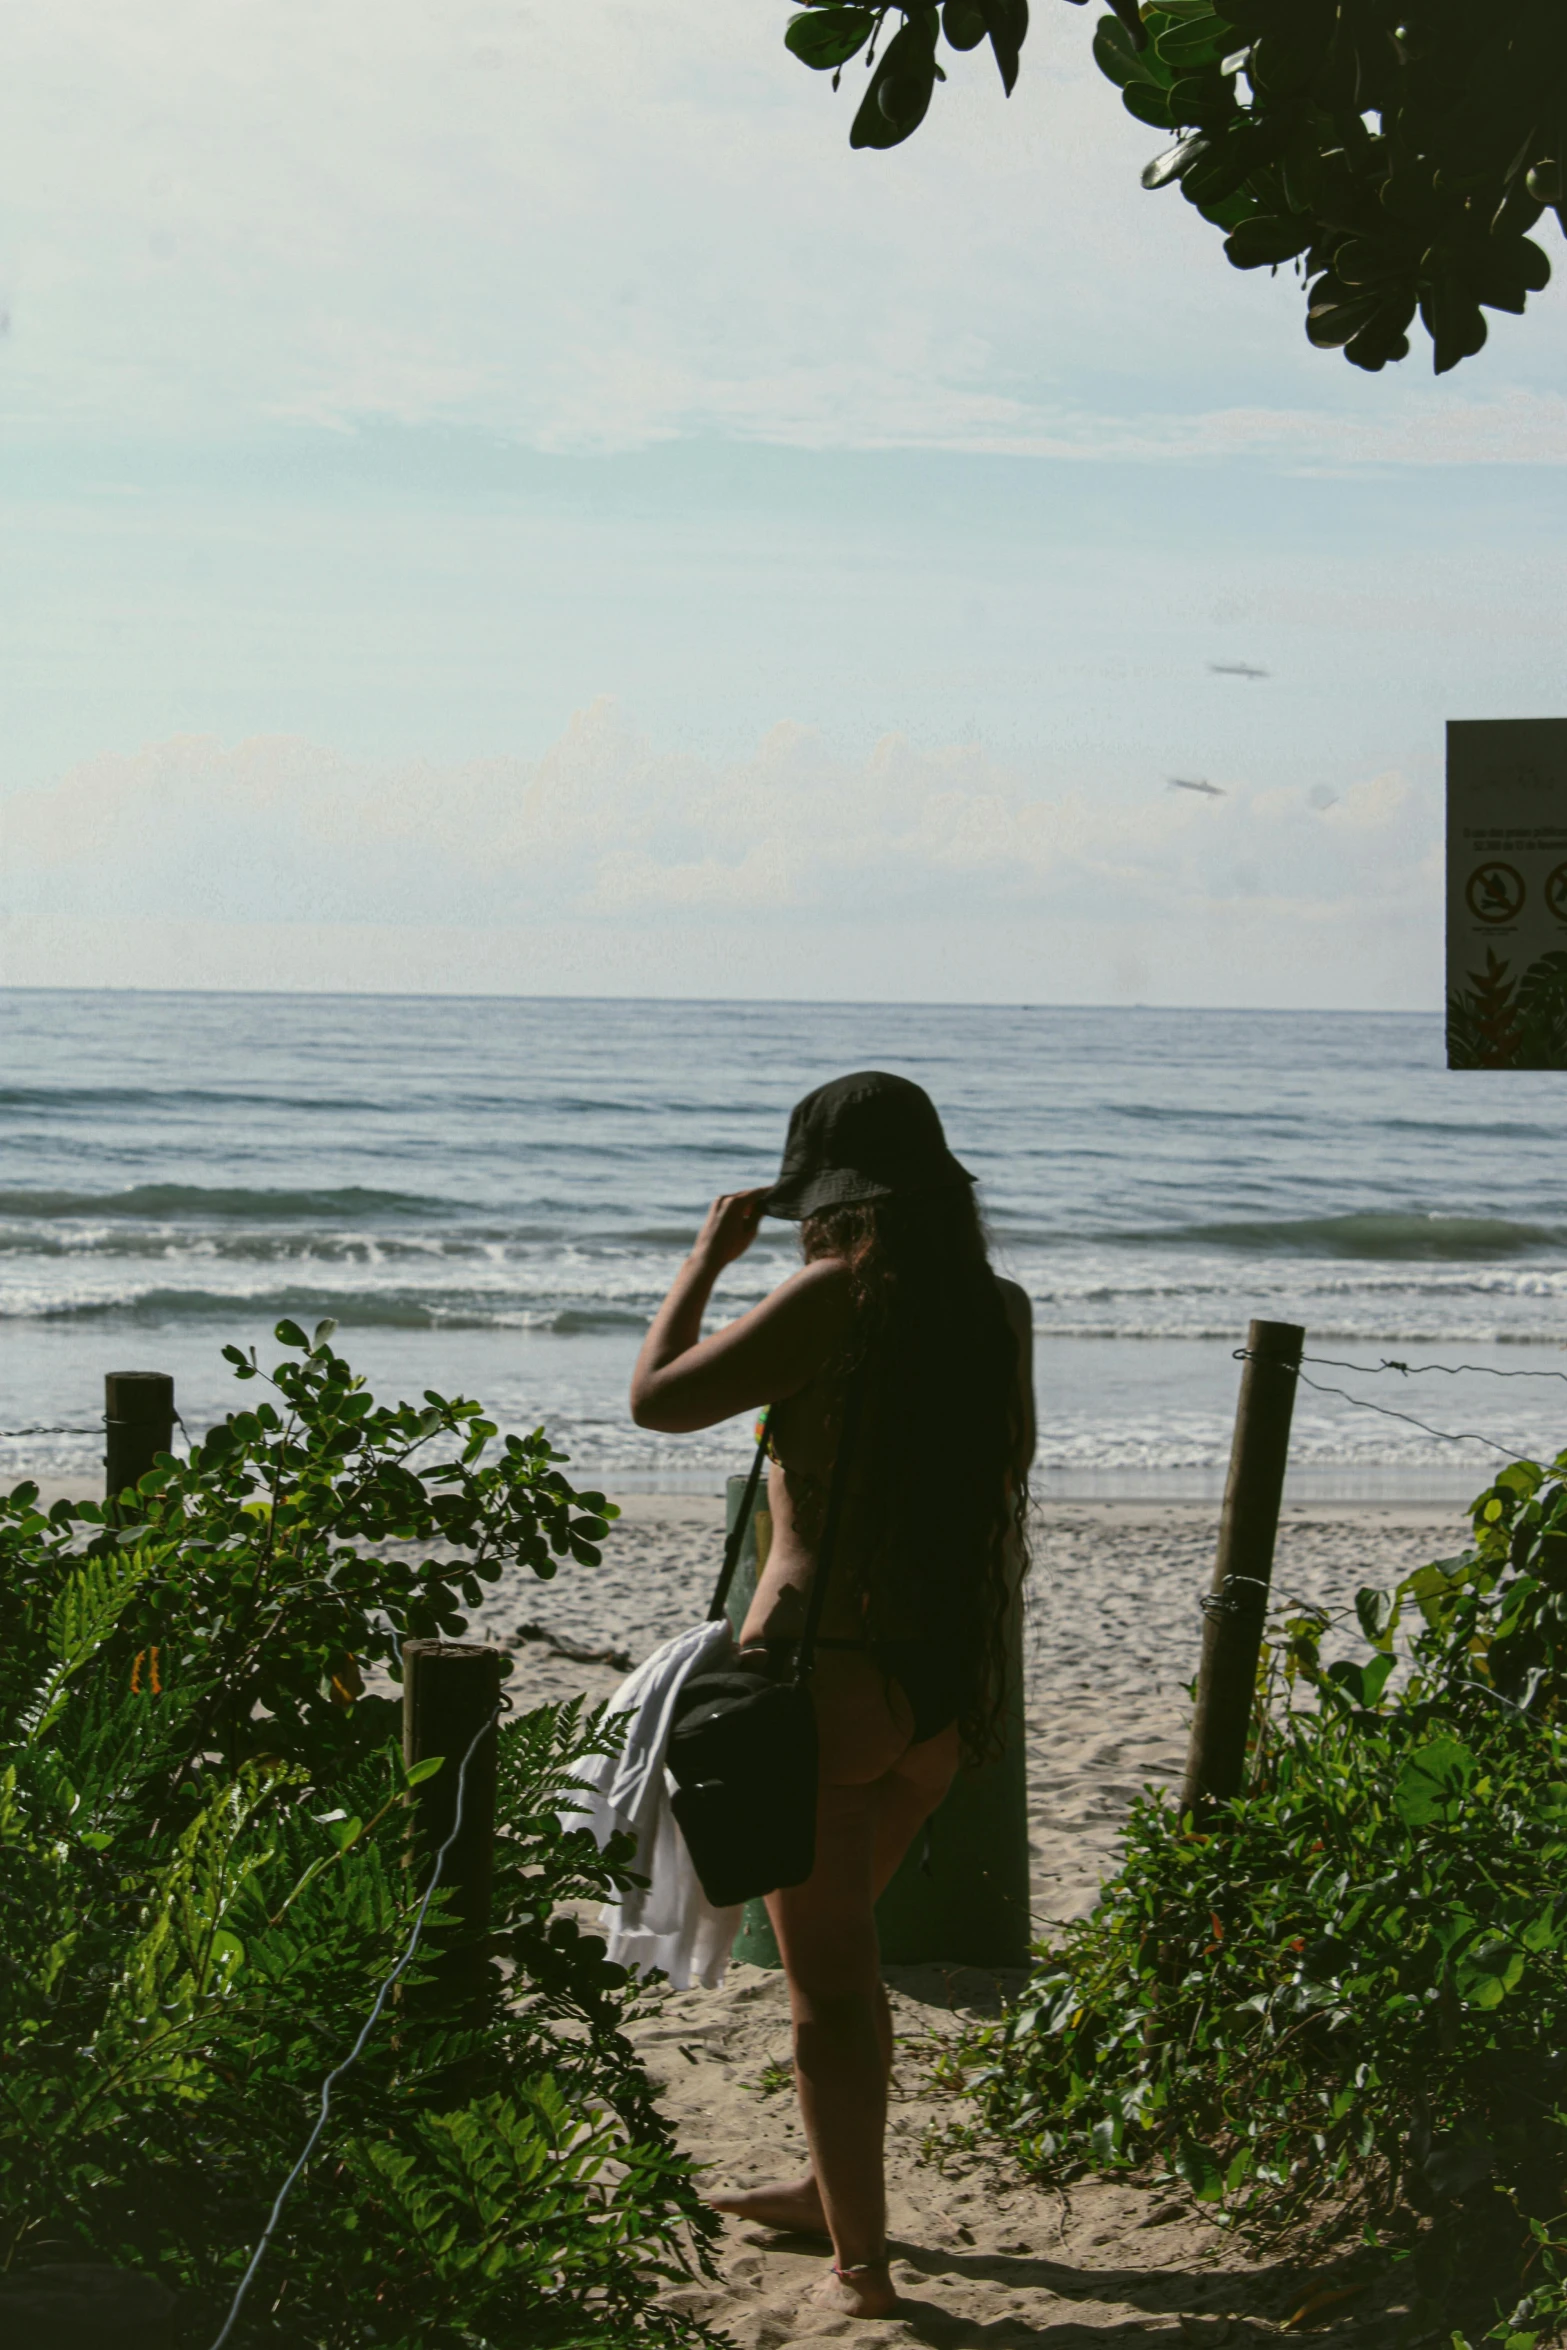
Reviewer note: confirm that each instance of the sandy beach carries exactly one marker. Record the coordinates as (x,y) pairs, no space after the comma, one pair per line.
(984,2259)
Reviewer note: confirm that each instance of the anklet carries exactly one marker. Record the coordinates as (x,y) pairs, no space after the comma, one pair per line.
(858,2268)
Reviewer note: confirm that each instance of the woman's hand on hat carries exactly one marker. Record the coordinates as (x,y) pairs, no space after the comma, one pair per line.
(731,1225)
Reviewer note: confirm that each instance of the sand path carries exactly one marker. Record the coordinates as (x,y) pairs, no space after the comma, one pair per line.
(983,2258)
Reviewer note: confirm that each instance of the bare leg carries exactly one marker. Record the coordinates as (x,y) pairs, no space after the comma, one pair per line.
(827,1936)
(877,1790)
(899,1803)
(843,2025)
(794,2206)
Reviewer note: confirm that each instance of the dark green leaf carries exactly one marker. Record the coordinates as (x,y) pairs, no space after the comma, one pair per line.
(898,98)
(825,37)
(1335,316)
(1149,104)
(1222,171)
(1201,98)
(1192,41)
(1453,321)
(1006,21)
(1131,16)
(1266,239)
(1175,160)
(1375,1678)
(1121,60)
(963,23)
(1432,1784)
(1201,2172)
(1377,1613)
(1226,212)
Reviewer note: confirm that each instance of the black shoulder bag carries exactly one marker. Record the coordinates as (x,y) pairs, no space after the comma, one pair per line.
(742,1751)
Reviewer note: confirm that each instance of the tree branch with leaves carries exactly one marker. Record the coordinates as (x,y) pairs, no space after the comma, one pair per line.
(1396,152)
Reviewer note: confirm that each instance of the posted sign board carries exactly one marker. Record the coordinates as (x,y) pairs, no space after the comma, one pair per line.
(1507,893)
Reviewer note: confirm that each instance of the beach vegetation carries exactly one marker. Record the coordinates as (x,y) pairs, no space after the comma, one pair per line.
(1503,1021)
(776,2075)
(1396,158)
(205,1883)
(1337,2005)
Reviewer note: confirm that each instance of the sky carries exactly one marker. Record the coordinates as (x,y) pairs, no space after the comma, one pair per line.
(496,499)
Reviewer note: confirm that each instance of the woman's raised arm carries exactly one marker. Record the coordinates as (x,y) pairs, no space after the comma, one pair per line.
(684,1381)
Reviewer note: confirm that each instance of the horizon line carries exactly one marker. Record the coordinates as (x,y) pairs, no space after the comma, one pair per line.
(732,1003)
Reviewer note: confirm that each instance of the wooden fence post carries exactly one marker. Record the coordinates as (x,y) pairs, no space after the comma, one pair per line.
(138,1419)
(450,1690)
(1237,1606)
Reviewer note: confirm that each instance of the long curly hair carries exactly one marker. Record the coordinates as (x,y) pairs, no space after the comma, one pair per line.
(940,1444)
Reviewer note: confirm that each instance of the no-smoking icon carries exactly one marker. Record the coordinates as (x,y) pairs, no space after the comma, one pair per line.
(1495,893)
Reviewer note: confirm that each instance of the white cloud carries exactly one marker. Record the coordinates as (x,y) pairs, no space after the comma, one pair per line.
(607,830)
(1378,804)
(1419,425)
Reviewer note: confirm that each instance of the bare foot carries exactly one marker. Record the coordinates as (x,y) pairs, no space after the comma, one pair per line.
(794,2208)
(865,2290)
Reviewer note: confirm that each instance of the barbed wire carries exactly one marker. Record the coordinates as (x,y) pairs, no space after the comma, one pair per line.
(59,1430)
(1361,1403)
(358,2049)
(1443,1435)
(91,1428)
(1419,1370)
(1224,1603)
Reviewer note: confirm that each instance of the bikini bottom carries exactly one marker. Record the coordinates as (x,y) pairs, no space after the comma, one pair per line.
(923,1669)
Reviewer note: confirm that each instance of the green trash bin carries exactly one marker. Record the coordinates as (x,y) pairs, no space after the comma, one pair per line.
(961,1894)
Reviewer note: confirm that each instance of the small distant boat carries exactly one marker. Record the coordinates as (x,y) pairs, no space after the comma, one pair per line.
(1210,791)
(1235,669)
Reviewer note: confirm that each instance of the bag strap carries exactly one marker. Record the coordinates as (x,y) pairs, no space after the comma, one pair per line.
(805,1654)
(726,1573)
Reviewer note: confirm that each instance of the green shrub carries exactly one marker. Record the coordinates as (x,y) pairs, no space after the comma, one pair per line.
(203,1883)
(1346,1991)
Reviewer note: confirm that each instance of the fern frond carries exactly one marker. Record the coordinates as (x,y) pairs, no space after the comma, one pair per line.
(89,1605)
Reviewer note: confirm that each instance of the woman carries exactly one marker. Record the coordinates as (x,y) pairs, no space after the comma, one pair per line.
(896,1297)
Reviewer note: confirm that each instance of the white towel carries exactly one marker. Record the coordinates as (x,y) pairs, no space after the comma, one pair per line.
(672,1925)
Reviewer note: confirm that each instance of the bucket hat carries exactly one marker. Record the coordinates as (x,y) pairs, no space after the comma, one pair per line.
(867,1136)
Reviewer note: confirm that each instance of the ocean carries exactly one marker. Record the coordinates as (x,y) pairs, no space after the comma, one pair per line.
(490,1196)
